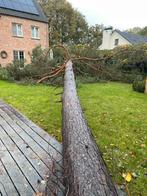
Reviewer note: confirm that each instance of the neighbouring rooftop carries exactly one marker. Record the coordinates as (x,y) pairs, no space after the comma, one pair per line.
(132,38)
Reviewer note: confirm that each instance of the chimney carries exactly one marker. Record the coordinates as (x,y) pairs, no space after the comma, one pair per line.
(107,32)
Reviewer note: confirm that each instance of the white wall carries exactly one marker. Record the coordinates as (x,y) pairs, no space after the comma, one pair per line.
(108,42)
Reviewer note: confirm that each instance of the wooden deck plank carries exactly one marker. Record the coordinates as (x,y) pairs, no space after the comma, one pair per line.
(46,152)
(52,141)
(34,159)
(6,184)
(22,140)
(32,134)
(1,103)
(27,132)
(22,185)
(27,156)
(21,161)
(42,167)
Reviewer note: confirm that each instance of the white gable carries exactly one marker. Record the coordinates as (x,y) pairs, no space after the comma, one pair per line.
(111,39)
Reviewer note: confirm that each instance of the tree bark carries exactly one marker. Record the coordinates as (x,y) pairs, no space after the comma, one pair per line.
(85,171)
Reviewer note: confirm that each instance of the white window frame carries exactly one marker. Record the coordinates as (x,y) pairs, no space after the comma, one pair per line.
(35,34)
(18,32)
(18,55)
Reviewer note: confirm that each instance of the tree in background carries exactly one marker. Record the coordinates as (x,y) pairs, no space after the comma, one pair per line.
(139,31)
(134,30)
(66,25)
(143,31)
(95,35)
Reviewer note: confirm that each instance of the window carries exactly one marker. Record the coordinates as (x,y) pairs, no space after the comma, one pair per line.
(35,32)
(116,42)
(18,55)
(17,30)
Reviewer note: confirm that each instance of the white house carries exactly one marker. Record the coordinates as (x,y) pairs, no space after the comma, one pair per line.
(113,38)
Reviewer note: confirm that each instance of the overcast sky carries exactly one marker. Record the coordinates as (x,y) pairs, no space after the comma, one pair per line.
(121,14)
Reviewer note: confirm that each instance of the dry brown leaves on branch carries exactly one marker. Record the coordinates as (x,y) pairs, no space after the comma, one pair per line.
(58,71)
(54,73)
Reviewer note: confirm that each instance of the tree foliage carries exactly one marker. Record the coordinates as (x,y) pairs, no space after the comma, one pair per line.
(143,31)
(66,25)
(135,30)
(95,35)
(139,31)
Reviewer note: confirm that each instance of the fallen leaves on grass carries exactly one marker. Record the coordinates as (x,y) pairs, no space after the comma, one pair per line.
(127,176)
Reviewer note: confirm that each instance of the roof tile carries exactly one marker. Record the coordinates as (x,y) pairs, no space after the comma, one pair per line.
(132,38)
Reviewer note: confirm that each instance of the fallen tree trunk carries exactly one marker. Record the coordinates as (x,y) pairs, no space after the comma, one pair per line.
(84,169)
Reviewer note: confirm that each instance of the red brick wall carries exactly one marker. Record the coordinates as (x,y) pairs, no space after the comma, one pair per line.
(9,43)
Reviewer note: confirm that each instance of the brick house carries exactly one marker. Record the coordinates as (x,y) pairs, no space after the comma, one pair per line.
(23,26)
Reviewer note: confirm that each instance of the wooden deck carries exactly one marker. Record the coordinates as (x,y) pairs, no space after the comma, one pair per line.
(30,160)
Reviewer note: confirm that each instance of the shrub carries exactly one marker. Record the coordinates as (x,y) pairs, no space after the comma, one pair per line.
(4,74)
(41,62)
(17,70)
(139,85)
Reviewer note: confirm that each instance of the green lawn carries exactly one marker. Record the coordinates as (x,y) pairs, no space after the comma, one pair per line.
(116,114)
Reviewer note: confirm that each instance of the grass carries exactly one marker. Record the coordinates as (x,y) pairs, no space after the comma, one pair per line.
(116,114)
(37,102)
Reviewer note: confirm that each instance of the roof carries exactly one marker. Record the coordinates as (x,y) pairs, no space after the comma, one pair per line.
(132,38)
(37,14)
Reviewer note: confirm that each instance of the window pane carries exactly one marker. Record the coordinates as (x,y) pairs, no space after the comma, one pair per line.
(18,55)
(35,32)
(19,30)
(21,55)
(15,55)
(116,42)
(14,29)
